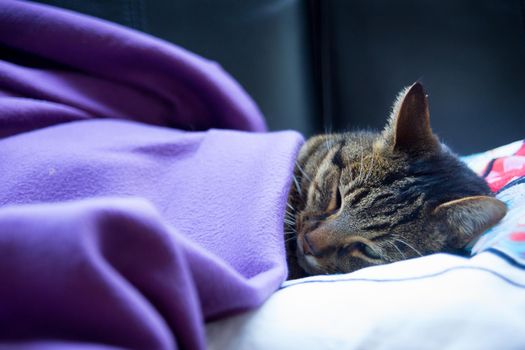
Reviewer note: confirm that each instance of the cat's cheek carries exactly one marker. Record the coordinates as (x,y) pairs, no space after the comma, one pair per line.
(351,264)
(311,268)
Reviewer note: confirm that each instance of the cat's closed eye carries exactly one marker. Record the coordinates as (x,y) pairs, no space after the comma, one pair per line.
(335,202)
(363,249)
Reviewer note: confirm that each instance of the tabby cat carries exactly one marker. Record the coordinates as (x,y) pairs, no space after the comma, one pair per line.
(367,198)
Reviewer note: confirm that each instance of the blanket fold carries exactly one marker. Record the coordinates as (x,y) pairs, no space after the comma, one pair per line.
(106,70)
(129,214)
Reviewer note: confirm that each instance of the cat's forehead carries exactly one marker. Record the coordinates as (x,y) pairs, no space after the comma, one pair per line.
(357,158)
(364,157)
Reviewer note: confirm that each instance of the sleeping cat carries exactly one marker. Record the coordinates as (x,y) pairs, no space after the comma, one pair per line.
(367,198)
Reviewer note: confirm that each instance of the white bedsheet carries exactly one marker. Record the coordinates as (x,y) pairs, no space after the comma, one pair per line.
(435,302)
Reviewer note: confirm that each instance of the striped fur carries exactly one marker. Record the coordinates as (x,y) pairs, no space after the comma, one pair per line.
(368,198)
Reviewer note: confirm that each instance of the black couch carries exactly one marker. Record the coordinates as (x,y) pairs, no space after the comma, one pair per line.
(316,65)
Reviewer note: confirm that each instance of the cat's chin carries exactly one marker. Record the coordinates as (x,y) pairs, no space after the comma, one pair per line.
(312,266)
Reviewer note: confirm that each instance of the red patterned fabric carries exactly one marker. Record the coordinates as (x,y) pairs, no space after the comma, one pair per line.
(504,170)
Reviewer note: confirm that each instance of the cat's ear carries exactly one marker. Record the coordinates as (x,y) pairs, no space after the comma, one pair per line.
(469,217)
(409,126)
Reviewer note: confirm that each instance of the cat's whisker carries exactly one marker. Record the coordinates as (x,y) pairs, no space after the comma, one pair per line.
(289,239)
(382,254)
(291,207)
(289,222)
(290,218)
(397,248)
(380,251)
(297,186)
(408,245)
(305,175)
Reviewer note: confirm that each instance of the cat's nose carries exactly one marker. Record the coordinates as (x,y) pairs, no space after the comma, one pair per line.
(312,245)
(307,246)
(318,242)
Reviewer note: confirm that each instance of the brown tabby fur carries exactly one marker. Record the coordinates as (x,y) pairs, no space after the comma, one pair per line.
(366,198)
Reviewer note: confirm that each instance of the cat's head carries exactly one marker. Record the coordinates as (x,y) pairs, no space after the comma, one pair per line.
(367,198)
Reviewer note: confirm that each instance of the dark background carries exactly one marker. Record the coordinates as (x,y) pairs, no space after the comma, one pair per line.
(317,65)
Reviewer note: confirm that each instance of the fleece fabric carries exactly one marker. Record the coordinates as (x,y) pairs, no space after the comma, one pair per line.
(140,196)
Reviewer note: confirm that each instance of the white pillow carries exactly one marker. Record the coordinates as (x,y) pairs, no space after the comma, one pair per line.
(434,302)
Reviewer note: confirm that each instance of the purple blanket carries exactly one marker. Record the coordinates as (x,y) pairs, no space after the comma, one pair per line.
(128,218)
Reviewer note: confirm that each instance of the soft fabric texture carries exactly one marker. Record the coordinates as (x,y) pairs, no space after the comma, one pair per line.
(80,67)
(434,302)
(126,220)
(504,170)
